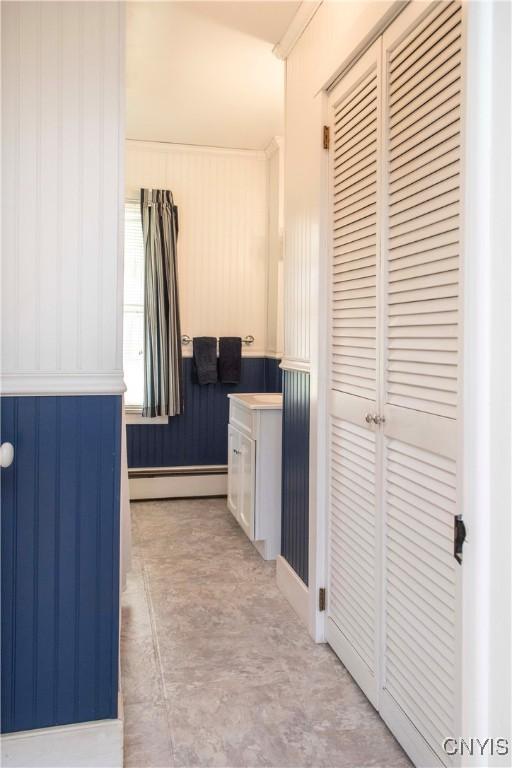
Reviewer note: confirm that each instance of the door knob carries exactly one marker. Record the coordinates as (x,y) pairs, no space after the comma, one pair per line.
(6,454)
(379,419)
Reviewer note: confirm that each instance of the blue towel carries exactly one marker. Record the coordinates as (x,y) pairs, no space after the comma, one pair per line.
(230,359)
(205,359)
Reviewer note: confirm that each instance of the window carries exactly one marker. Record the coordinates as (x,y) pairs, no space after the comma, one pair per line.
(133,338)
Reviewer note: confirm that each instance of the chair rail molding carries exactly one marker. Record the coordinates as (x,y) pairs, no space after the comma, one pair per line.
(292,364)
(62,383)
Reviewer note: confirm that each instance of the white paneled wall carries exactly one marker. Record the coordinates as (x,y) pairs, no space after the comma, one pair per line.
(334,32)
(275,249)
(223,246)
(62,92)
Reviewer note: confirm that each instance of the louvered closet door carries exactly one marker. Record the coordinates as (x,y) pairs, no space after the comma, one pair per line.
(353,557)
(422,330)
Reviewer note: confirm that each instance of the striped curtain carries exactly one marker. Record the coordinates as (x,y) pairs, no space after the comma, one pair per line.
(163,390)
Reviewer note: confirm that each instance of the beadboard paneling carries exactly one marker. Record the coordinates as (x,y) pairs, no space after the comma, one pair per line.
(60,560)
(199,436)
(275,249)
(62,91)
(222,245)
(295,474)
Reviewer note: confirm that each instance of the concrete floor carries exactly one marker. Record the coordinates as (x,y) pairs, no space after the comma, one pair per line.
(217,670)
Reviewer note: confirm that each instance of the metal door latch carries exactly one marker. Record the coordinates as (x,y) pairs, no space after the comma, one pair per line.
(459,537)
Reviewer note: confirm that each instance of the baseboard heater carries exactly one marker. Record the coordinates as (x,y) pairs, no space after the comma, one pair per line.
(177,482)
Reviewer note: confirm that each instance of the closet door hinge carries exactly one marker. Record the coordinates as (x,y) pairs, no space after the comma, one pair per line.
(321,599)
(326,137)
(459,537)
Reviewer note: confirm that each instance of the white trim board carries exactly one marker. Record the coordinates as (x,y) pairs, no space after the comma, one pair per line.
(375,32)
(96,744)
(164,146)
(136,417)
(37,383)
(247,351)
(293,588)
(178,486)
(274,145)
(289,364)
(298,24)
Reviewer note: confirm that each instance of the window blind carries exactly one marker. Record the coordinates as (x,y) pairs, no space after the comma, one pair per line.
(133,339)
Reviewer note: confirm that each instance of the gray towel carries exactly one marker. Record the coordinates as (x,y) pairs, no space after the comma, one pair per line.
(205,359)
(230,359)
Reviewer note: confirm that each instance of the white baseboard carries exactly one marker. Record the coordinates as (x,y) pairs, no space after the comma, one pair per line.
(97,744)
(178,486)
(293,589)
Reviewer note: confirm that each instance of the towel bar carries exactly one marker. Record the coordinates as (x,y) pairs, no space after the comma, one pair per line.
(185,339)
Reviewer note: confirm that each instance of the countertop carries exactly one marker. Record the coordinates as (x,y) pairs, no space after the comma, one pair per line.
(259,401)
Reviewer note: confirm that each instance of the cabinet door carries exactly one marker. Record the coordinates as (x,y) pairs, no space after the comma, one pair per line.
(247,458)
(234,471)
(353,558)
(421,376)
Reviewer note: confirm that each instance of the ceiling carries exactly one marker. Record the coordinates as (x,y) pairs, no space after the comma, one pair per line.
(204,72)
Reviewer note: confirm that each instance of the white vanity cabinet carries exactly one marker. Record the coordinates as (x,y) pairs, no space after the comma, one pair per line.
(254,468)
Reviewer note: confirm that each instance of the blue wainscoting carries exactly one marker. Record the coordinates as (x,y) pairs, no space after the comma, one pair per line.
(199,436)
(60,560)
(295,472)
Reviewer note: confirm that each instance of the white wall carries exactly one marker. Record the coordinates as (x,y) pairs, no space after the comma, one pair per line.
(223,245)
(204,74)
(275,249)
(62,81)
(334,32)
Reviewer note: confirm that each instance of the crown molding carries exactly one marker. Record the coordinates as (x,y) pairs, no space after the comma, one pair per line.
(298,24)
(199,149)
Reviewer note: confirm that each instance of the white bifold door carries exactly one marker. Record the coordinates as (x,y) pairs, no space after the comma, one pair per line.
(393,597)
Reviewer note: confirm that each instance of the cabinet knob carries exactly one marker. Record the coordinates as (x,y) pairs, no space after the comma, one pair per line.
(6,454)
(374,418)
